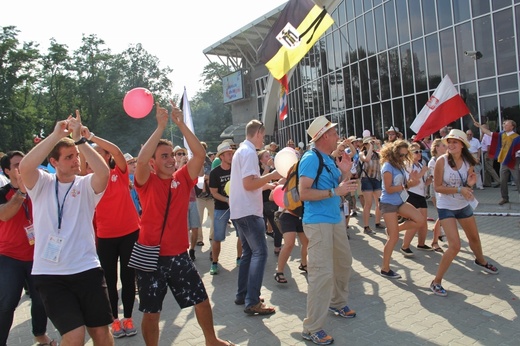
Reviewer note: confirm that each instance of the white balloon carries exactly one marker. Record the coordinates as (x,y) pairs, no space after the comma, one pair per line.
(284,160)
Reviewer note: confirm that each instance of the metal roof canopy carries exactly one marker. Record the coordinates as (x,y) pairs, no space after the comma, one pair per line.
(244,43)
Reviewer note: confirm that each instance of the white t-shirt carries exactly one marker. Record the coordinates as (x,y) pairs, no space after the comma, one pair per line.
(3,180)
(242,202)
(78,246)
(474,145)
(418,189)
(452,178)
(486,142)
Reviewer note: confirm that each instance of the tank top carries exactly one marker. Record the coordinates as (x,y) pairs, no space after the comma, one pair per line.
(453,178)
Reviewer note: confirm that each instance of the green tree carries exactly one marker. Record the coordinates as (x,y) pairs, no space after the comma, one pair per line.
(18,68)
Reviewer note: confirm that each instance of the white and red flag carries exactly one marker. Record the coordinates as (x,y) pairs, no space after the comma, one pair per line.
(443,107)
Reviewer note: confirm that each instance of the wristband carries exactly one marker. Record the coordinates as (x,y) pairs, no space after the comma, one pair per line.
(81,141)
(21,194)
(332,192)
(91,136)
(458,189)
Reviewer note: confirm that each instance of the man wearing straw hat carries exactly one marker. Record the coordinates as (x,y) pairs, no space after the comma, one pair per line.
(329,256)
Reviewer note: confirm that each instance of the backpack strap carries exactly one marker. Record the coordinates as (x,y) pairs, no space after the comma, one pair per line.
(320,165)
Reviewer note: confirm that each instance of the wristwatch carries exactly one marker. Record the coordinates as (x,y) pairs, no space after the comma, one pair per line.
(20,193)
(81,141)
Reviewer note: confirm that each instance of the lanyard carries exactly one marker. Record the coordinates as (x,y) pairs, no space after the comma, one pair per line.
(60,208)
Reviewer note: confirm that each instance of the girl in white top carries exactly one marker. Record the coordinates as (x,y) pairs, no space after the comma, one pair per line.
(417,198)
(453,181)
(438,148)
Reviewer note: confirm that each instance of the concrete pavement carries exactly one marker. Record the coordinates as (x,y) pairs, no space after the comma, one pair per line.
(480,309)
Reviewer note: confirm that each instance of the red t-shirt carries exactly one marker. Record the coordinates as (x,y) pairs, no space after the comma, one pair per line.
(13,238)
(153,196)
(116,215)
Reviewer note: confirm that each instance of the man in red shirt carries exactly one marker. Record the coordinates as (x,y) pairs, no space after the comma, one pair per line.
(16,253)
(175,269)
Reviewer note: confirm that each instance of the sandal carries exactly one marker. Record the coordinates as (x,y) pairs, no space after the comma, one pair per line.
(437,248)
(303,267)
(259,309)
(280,278)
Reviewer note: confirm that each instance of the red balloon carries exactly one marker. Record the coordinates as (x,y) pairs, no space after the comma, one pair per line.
(138,102)
(278,196)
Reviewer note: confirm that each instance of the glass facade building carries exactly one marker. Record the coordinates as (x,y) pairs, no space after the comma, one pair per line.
(381,60)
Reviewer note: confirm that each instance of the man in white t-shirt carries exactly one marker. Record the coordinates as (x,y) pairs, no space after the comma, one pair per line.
(475,150)
(489,171)
(246,212)
(66,270)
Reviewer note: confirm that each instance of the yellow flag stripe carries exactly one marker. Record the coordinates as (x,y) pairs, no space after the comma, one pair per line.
(285,59)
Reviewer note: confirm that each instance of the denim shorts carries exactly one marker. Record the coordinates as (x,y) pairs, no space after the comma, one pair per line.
(463,213)
(389,208)
(370,184)
(220,223)
(193,215)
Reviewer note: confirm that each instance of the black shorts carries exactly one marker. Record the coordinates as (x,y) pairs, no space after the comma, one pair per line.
(75,300)
(290,223)
(178,273)
(417,201)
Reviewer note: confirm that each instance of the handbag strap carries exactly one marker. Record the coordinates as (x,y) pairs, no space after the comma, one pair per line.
(166,213)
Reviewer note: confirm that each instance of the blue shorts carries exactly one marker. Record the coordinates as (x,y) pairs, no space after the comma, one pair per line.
(193,215)
(370,184)
(220,223)
(463,213)
(176,272)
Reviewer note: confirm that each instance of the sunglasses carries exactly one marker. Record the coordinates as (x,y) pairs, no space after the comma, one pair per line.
(180,154)
(417,152)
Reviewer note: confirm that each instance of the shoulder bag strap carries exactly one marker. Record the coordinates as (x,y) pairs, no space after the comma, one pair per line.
(166,213)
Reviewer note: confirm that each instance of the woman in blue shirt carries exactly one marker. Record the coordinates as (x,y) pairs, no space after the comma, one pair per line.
(394,157)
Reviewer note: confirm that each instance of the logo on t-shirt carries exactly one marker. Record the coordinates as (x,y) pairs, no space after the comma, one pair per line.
(114,178)
(74,193)
(175,184)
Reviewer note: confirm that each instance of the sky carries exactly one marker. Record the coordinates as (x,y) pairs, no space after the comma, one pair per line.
(174,31)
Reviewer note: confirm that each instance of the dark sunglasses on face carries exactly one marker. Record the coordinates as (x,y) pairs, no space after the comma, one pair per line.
(180,154)
(417,152)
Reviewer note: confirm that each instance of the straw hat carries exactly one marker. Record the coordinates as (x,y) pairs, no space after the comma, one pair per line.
(318,127)
(177,148)
(128,157)
(457,134)
(392,129)
(223,147)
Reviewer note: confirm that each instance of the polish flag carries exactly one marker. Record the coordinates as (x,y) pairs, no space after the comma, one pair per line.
(443,107)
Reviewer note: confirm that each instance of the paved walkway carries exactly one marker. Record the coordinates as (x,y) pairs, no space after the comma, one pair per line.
(480,309)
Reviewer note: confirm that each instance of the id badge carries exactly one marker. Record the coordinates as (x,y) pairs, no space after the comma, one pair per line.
(29,231)
(404,195)
(346,210)
(473,203)
(53,249)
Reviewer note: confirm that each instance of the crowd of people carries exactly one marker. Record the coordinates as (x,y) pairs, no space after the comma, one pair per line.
(68,235)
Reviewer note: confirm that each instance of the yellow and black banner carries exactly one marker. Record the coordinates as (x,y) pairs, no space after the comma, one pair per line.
(299,26)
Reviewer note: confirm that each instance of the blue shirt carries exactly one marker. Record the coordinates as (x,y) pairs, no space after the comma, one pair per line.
(325,210)
(397,180)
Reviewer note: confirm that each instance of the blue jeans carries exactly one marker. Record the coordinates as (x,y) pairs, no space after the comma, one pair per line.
(14,274)
(251,230)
